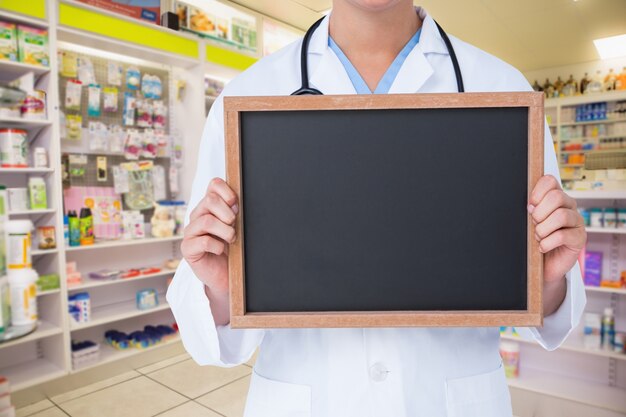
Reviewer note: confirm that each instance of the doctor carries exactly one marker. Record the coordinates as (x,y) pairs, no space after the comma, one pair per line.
(381,46)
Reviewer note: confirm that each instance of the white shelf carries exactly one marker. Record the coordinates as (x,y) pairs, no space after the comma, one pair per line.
(597,195)
(607,230)
(20,123)
(594,122)
(585,99)
(32,212)
(31,373)
(117,312)
(91,283)
(41,252)
(10,70)
(26,170)
(606,290)
(48,292)
(572,389)
(110,354)
(121,243)
(572,346)
(44,329)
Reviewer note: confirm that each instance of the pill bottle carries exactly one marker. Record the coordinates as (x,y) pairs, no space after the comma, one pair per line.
(23,287)
(18,235)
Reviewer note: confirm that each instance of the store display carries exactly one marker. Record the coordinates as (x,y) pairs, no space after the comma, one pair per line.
(46,236)
(22,284)
(607,330)
(40,157)
(79,307)
(37,193)
(8,41)
(13,148)
(48,282)
(18,237)
(147,299)
(33,45)
(593,268)
(84,353)
(18,199)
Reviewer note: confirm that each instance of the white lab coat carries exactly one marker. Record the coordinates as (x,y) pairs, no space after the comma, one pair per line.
(362,372)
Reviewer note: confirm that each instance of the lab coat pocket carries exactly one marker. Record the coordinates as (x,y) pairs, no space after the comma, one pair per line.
(483,395)
(270,398)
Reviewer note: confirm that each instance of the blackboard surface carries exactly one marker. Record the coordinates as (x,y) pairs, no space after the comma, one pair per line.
(385,209)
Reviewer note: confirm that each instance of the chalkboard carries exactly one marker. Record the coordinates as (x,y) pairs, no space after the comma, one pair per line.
(396,210)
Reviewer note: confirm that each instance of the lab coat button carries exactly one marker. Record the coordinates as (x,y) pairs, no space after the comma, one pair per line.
(378,372)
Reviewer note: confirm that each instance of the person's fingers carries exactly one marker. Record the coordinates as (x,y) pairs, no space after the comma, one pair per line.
(196,247)
(552,201)
(572,238)
(222,189)
(213,204)
(545,184)
(560,219)
(211,225)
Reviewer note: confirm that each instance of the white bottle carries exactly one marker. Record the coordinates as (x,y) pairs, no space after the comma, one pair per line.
(22,283)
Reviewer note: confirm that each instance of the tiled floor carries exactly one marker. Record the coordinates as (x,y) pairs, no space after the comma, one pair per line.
(175,387)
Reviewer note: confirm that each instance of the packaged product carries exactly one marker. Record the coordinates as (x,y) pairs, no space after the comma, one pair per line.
(86,73)
(110,99)
(130,104)
(13,148)
(73,95)
(114,73)
(5,305)
(8,41)
(37,192)
(93,100)
(133,78)
(18,235)
(144,113)
(22,283)
(46,236)
(69,64)
(34,106)
(159,113)
(33,45)
(74,126)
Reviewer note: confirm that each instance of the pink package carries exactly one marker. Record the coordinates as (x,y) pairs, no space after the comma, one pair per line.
(105,207)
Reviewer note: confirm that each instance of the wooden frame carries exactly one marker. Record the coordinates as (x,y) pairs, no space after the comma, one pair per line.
(239,318)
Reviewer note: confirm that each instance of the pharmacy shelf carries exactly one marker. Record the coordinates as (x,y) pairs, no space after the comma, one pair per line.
(10,70)
(121,243)
(20,123)
(572,346)
(91,283)
(31,373)
(593,122)
(31,212)
(572,389)
(18,18)
(44,329)
(606,230)
(26,170)
(606,290)
(597,195)
(595,151)
(109,354)
(48,292)
(42,252)
(117,312)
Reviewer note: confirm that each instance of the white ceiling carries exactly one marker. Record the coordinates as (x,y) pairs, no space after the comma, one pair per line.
(530,34)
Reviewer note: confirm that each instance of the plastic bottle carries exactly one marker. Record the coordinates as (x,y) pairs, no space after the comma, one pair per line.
(86,227)
(74,228)
(18,234)
(607,332)
(66,230)
(23,296)
(5,305)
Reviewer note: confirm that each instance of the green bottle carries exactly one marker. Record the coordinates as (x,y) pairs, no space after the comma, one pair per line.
(74,226)
(86,227)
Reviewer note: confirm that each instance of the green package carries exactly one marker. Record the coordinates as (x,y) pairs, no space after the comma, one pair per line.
(8,41)
(32,45)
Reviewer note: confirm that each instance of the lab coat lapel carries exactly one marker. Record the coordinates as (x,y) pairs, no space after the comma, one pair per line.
(327,73)
(416,69)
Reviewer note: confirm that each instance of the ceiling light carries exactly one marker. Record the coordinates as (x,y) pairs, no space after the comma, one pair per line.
(611,47)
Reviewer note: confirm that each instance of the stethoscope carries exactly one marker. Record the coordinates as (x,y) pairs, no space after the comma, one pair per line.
(304,71)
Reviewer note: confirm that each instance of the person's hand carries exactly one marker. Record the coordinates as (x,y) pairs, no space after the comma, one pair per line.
(559,228)
(206,237)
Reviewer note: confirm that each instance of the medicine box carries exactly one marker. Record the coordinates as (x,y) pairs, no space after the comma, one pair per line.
(33,46)
(8,41)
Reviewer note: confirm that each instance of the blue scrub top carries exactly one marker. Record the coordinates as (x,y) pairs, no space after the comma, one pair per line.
(390,75)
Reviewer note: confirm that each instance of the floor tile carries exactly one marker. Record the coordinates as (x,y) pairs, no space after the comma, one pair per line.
(34,408)
(229,400)
(193,380)
(163,364)
(138,397)
(87,389)
(50,412)
(189,409)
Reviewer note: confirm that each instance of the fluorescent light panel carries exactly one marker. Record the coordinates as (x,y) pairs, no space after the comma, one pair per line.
(611,47)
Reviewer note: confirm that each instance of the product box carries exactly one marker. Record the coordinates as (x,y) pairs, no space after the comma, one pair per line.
(147,10)
(33,46)
(593,268)
(8,41)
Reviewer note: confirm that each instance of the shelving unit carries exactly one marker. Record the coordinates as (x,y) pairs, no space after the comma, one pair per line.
(117,312)
(607,230)
(571,346)
(121,243)
(92,283)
